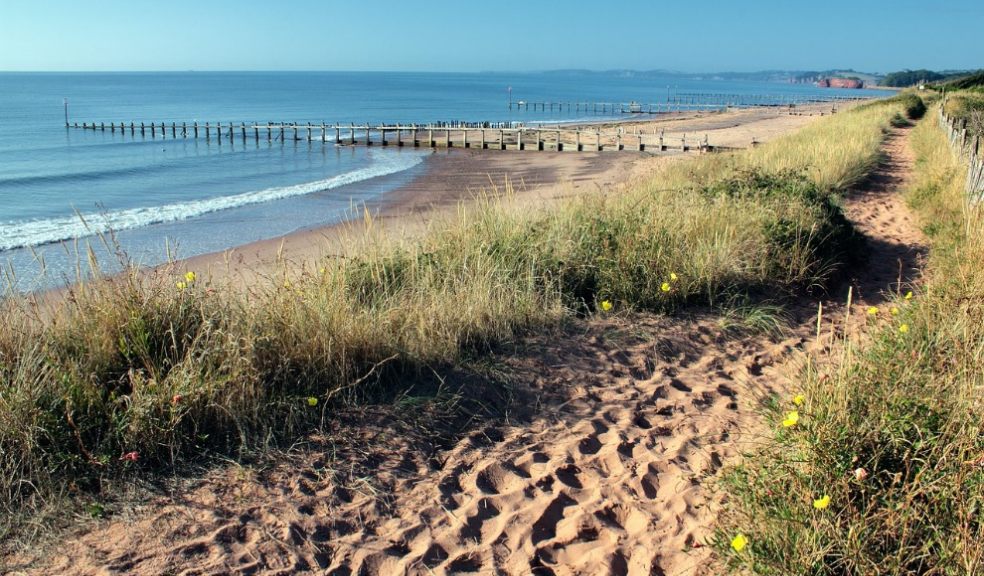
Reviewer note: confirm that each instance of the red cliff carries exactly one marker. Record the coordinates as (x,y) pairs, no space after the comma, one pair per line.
(840,83)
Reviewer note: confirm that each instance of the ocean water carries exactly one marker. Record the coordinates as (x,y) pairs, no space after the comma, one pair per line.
(59,188)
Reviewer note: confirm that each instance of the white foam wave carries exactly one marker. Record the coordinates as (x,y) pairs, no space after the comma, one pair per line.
(44,231)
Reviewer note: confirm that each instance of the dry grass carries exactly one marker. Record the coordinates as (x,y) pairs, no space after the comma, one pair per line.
(891,430)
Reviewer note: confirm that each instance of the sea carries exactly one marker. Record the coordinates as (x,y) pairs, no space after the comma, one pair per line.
(65,192)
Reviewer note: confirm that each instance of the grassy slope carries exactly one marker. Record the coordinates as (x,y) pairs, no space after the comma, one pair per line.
(907,409)
(140,365)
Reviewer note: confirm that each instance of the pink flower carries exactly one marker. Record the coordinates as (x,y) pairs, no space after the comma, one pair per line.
(860,474)
(176,399)
(130,457)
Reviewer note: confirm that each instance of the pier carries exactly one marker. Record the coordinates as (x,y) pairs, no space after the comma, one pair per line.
(482,136)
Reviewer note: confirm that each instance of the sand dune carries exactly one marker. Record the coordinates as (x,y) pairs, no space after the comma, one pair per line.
(606,468)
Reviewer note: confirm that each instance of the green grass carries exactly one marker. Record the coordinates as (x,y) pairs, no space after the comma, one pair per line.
(138,365)
(906,409)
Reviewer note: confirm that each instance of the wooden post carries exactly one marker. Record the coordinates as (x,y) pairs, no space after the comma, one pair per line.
(560,145)
(338,134)
(242,130)
(464,137)
(207,131)
(519,139)
(447,137)
(502,139)
(143,129)
(131,128)
(598,139)
(430,138)
(642,146)
(413,136)
(112,128)
(218,133)
(618,140)
(282,140)
(153,130)
(309,132)
(483,139)
(174,130)
(368,135)
(577,140)
(256,134)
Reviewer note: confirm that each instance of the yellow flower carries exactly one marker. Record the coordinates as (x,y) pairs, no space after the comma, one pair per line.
(312,401)
(872,310)
(791,419)
(180,285)
(799,399)
(606,305)
(894,311)
(665,287)
(739,542)
(822,503)
(904,329)
(908,295)
(190,277)
(673,276)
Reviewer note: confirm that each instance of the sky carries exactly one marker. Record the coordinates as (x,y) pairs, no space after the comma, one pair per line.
(474,36)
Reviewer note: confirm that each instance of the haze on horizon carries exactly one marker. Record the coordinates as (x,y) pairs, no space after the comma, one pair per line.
(448,35)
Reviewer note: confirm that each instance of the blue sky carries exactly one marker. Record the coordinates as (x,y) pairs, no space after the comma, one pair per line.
(467,35)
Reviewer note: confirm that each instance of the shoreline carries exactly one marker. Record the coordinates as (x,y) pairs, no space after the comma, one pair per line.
(451,177)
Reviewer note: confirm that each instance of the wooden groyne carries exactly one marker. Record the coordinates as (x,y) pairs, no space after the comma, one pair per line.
(483,136)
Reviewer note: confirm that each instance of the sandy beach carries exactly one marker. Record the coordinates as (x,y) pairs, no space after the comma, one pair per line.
(455,176)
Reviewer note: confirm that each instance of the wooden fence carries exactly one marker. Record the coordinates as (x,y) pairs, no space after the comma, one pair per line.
(969,147)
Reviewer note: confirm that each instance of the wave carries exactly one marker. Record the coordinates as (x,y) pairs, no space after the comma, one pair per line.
(49,230)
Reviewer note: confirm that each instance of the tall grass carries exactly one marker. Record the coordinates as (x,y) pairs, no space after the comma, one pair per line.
(144,372)
(892,430)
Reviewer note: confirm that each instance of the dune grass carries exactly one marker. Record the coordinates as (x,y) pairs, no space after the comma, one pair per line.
(141,373)
(884,471)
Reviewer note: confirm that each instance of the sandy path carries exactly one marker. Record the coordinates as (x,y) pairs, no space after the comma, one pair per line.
(607,476)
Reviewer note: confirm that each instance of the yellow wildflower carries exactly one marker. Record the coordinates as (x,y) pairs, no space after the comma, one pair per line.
(180,285)
(872,310)
(908,295)
(822,503)
(665,287)
(799,399)
(739,542)
(894,311)
(312,401)
(904,329)
(606,305)
(791,419)
(190,277)
(673,276)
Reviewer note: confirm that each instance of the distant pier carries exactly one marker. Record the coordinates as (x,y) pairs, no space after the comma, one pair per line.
(678,102)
